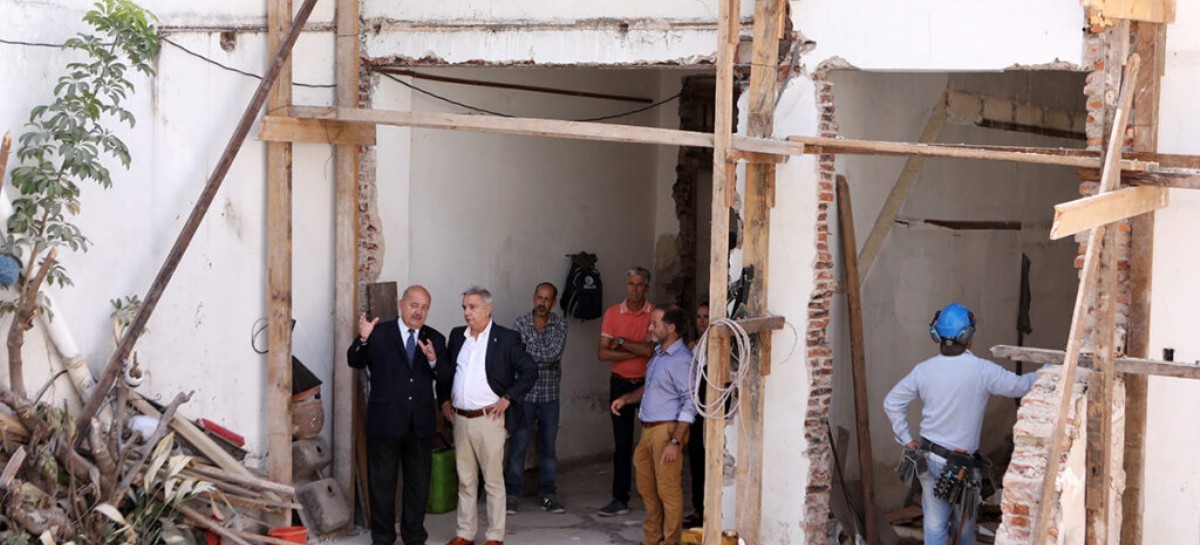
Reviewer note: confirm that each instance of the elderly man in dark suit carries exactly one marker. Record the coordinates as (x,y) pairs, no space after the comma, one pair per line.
(404,357)
(491,368)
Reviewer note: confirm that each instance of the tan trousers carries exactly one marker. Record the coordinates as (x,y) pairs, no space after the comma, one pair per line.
(659,485)
(479,445)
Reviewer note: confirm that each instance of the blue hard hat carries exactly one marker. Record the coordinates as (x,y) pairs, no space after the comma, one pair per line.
(955,322)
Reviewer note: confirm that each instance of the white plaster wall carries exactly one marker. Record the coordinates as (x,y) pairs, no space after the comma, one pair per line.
(199,336)
(171,13)
(942,34)
(544,32)
(929,35)
(1172,487)
(792,253)
(921,269)
(503,212)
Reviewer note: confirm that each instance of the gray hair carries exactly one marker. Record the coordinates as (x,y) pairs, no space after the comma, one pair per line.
(638,271)
(483,293)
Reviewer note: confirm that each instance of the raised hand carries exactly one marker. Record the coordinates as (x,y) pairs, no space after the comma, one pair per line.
(427,348)
(365,327)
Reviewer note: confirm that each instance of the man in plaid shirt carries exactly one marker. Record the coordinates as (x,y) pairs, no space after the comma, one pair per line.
(545,337)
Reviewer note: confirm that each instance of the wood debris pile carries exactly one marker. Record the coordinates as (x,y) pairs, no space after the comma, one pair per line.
(138,474)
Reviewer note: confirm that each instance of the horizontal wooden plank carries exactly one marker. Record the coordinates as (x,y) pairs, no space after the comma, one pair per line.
(1151,11)
(754,325)
(1163,178)
(1089,212)
(1032,155)
(1132,366)
(577,130)
(795,145)
(757,157)
(315,131)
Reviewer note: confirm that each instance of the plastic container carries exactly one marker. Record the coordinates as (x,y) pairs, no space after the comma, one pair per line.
(443,483)
(294,534)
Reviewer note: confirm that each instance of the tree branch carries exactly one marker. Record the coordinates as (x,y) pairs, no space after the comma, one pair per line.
(23,321)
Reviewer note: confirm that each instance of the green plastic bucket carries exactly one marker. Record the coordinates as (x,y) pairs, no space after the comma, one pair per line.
(443,484)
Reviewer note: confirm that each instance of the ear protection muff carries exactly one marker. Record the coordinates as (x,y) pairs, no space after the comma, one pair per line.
(968,331)
(933,328)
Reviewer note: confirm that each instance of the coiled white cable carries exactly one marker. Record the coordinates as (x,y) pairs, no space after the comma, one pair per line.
(716,408)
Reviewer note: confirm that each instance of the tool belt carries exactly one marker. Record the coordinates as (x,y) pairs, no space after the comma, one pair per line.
(946,453)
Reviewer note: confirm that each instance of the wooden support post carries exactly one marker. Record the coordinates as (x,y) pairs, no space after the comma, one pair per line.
(858,362)
(1100,396)
(759,198)
(279,272)
(899,194)
(345,269)
(724,182)
(1151,45)
(138,325)
(317,131)
(1087,280)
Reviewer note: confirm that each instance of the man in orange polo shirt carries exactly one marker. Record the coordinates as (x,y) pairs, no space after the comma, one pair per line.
(623,344)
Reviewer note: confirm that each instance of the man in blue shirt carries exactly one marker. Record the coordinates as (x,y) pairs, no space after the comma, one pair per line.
(953,388)
(666,414)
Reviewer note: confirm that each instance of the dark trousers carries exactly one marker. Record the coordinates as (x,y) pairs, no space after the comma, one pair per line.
(622,437)
(386,457)
(696,456)
(546,417)
(696,463)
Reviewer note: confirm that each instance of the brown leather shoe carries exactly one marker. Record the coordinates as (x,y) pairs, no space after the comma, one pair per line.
(460,541)
(493,542)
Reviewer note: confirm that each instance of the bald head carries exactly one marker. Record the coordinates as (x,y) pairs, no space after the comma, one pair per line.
(414,306)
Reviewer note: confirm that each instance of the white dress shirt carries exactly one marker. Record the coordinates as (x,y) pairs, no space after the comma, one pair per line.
(470,390)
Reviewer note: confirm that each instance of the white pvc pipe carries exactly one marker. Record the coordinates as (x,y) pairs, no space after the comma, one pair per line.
(60,334)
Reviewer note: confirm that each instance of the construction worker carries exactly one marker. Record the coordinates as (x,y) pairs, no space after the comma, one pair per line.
(953,388)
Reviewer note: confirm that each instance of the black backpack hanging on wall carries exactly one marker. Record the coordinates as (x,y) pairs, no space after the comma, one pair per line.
(583,292)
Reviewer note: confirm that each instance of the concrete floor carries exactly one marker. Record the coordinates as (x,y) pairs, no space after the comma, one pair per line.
(584,490)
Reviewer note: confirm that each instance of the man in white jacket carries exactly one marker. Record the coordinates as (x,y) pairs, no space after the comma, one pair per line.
(953,388)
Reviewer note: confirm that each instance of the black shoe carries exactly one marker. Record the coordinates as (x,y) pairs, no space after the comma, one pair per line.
(511,505)
(550,503)
(694,520)
(614,508)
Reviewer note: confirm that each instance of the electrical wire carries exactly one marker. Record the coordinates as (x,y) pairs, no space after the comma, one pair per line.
(715,408)
(185,50)
(389,76)
(238,70)
(30,44)
(441,98)
(698,374)
(501,114)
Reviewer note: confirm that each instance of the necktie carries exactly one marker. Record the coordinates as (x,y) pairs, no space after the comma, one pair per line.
(410,347)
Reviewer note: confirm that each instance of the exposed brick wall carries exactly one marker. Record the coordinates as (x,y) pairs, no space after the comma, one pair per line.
(1035,419)
(819,352)
(1101,91)
(370,228)
(1022,494)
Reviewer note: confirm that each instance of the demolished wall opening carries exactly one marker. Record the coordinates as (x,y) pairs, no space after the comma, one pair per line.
(959,235)
(460,208)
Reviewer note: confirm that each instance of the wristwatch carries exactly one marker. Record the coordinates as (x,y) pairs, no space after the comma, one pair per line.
(620,341)
(675,441)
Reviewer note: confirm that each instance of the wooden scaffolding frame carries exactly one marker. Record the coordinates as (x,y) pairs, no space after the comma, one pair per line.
(1145,172)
